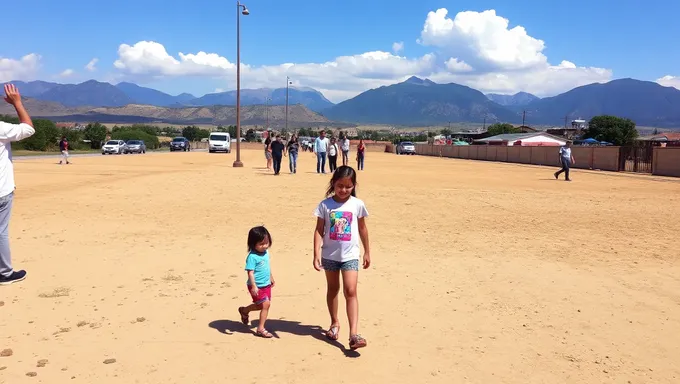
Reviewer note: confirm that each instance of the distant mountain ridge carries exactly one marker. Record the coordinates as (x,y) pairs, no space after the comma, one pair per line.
(518,99)
(100,94)
(298,115)
(419,102)
(413,102)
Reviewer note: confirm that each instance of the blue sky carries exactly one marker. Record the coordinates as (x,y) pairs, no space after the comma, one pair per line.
(620,38)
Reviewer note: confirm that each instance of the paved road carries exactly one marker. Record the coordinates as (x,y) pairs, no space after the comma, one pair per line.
(58,156)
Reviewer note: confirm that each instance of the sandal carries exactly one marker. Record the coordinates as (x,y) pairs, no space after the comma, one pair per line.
(244,317)
(264,334)
(356,342)
(333,332)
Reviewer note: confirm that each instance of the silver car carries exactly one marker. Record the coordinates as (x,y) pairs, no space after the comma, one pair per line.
(136,146)
(406,148)
(114,146)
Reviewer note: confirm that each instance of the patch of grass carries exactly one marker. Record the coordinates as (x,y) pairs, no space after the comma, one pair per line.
(57,292)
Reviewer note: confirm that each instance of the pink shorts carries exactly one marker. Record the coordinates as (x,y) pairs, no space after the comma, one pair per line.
(263,294)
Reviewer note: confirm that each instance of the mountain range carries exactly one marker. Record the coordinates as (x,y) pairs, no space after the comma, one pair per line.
(517,100)
(414,102)
(100,94)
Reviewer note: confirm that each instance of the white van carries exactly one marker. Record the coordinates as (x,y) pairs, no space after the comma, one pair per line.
(219,141)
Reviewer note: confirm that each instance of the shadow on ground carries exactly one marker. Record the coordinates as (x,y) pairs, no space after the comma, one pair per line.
(229,327)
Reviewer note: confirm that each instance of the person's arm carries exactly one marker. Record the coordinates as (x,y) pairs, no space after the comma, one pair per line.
(318,242)
(251,282)
(572,159)
(363,234)
(16,132)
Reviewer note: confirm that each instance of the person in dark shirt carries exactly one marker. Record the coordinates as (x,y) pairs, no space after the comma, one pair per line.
(63,147)
(278,149)
(293,148)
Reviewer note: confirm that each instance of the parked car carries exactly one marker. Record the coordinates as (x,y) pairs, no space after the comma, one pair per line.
(219,141)
(114,146)
(406,148)
(136,146)
(180,144)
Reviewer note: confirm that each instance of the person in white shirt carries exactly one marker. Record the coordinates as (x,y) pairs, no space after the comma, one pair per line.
(567,160)
(321,148)
(333,155)
(8,134)
(344,146)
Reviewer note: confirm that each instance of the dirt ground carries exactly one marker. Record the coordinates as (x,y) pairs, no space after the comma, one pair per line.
(482,273)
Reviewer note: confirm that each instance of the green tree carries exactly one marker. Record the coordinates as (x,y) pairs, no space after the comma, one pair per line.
(446,132)
(232,131)
(96,133)
(194,133)
(613,129)
(45,137)
(501,128)
(9,119)
(250,135)
(130,133)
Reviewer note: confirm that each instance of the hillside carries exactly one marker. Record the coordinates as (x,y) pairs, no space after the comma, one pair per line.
(150,96)
(98,94)
(517,100)
(311,98)
(420,102)
(645,102)
(91,92)
(298,115)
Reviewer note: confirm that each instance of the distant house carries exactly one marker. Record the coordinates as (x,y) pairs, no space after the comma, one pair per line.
(670,139)
(522,139)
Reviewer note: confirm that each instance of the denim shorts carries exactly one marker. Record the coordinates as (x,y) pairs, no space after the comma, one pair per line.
(335,266)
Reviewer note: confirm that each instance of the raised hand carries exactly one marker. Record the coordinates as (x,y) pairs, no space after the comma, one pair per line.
(12,95)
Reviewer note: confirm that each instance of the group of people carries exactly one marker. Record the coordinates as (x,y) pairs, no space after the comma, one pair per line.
(340,226)
(324,148)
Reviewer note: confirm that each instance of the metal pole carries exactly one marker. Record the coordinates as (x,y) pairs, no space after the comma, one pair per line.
(267,109)
(287,81)
(238,163)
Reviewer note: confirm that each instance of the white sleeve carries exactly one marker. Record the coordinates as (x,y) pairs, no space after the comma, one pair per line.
(15,132)
(361,209)
(320,211)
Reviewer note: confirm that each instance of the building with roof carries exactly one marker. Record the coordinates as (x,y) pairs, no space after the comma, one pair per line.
(523,139)
(671,139)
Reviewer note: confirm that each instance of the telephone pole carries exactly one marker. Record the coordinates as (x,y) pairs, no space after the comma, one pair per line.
(524,116)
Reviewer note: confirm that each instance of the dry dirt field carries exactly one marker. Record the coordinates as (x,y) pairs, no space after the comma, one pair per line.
(482,273)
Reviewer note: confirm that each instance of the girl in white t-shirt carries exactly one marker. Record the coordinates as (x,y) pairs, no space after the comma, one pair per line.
(341,222)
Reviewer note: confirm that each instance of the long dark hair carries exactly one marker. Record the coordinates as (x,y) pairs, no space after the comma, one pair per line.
(256,235)
(340,173)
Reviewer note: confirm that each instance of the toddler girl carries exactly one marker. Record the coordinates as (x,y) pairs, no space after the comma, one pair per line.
(260,278)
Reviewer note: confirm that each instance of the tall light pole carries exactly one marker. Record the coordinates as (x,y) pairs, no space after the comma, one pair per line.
(288,82)
(240,9)
(267,100)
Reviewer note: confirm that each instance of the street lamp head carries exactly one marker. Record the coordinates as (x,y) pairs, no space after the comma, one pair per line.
(245,11)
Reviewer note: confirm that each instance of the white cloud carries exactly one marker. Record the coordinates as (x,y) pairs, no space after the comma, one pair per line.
(91,66)
(151,58)
(669,81)
(219,90)
(455,65)
(66,73)
(25,68)
(477,49)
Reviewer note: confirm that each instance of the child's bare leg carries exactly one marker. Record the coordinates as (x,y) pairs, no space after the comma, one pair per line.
(349,283)
(333,289)
(251,308)
(264,311)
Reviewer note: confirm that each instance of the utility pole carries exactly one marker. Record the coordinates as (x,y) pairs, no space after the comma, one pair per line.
(484,129)
(288,82)
(565,121)
(524,116)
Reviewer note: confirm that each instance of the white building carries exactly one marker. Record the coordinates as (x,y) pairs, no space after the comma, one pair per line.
(524,140)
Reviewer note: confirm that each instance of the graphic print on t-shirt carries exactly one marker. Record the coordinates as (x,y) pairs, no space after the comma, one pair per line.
(341,226)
